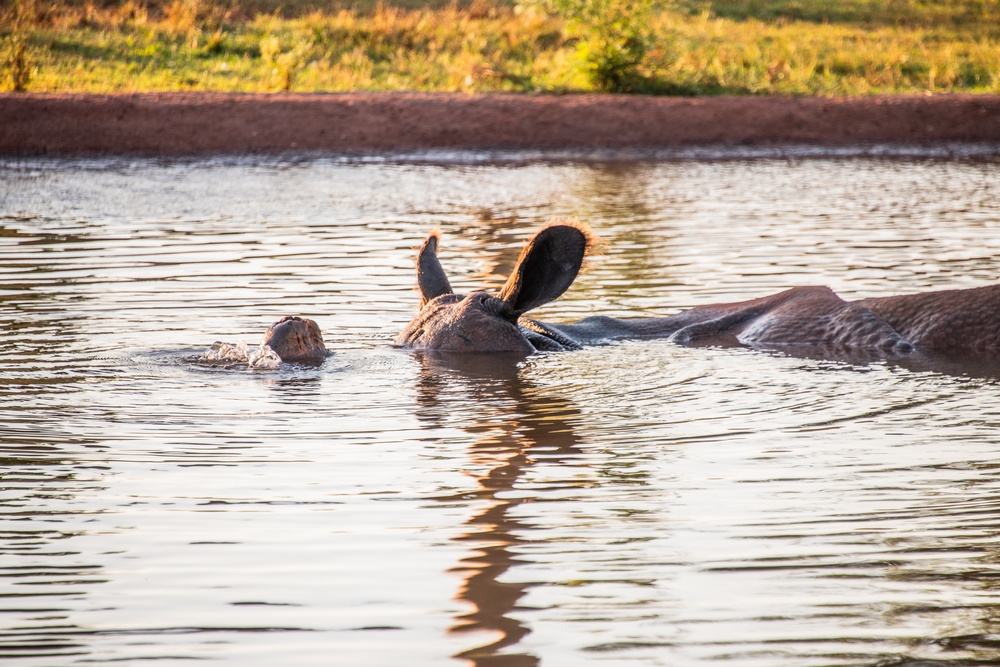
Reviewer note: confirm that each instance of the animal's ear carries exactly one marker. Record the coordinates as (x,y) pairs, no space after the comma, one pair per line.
(548,265)
(431,278)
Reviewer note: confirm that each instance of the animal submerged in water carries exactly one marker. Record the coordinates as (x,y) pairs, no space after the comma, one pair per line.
(289,340)
(952,321)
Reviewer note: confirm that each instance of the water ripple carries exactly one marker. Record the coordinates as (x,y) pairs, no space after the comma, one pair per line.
(638,502)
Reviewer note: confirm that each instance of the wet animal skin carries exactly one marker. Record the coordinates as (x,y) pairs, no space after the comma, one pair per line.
(296,339)
(952,321)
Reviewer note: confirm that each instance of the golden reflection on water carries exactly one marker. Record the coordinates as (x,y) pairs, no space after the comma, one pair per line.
(514,421)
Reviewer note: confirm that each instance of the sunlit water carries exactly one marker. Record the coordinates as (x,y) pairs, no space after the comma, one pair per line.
(640,504)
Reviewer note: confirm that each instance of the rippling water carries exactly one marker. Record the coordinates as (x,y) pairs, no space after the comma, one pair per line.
(641,503)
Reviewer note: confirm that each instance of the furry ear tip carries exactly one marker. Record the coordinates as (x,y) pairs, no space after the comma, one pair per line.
(594,243)
(432,241)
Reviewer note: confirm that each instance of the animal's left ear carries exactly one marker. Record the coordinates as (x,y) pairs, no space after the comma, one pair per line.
(431,278)
(548,265)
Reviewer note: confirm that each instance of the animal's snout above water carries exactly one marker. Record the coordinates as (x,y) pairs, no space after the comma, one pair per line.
(296,339)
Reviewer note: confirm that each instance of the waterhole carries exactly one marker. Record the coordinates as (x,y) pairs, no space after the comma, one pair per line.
(641,503)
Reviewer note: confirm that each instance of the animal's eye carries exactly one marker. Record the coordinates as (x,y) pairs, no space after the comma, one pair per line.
(480,298)
(492,304)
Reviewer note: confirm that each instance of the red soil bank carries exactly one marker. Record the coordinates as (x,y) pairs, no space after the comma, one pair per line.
(218,123)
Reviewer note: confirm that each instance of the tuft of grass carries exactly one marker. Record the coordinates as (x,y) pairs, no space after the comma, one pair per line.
(21,17)
(800,47)
(868,13)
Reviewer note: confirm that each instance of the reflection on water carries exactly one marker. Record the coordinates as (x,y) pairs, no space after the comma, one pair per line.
(515,424)
(642,502)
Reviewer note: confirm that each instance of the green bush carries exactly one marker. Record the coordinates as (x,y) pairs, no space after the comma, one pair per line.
(613,38)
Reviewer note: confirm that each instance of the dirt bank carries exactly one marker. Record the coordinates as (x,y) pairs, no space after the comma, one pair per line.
(213,123)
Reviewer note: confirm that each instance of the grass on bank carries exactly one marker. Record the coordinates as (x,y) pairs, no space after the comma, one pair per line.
(808,47)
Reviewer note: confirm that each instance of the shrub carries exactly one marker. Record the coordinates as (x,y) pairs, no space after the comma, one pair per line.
(613,36)
(21,16)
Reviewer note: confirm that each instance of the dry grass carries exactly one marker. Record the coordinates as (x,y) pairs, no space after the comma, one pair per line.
(841,48)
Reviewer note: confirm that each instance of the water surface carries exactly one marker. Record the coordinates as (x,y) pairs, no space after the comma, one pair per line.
(640,503)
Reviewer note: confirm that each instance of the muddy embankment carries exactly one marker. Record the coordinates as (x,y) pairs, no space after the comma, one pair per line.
(177,124)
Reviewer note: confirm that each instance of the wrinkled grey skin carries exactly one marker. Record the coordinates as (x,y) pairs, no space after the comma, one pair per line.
(481,322)
(296,339)
(952,321)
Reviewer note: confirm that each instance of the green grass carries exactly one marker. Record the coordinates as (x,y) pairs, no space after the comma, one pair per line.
(803,47)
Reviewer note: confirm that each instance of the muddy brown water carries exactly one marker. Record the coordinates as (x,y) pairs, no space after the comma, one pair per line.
(641,503)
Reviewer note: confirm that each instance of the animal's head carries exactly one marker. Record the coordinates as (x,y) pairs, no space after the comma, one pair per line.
(481,322)
(296,339)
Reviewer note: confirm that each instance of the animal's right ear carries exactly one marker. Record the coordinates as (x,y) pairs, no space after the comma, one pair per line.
(548,265)
(431,278)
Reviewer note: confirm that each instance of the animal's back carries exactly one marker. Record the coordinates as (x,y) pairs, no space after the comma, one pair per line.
(947,320)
